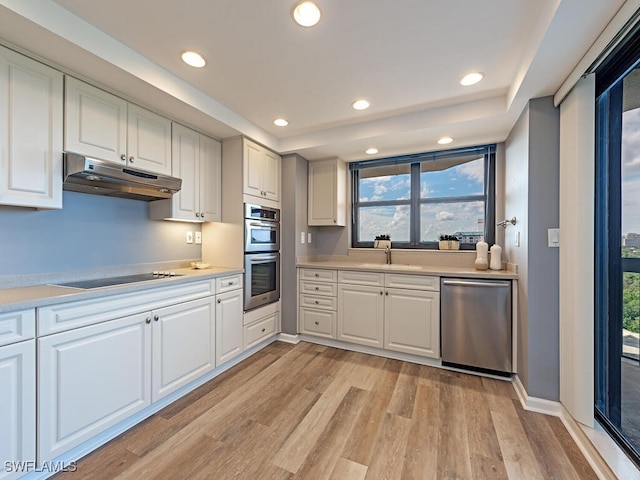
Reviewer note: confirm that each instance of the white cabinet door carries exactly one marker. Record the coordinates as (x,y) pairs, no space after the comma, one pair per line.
(148,140)
(327,193)
(95,122)
(185,161)
(412,322)
(30,133)
(90,379)
(229,310)
(271,176)
(17,406)
(210,180)
(253,169)
(261,172)
(361,314)
(183,345)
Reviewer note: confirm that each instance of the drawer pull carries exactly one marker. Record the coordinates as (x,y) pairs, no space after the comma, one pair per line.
(317,322)
(264,330)
(317,288)
(317,302)
(147,320)
(317,274)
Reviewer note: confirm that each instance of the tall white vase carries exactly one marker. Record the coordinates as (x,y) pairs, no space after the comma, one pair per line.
(482,256)
(496,258)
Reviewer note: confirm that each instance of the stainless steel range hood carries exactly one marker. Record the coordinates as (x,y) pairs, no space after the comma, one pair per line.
(99,177)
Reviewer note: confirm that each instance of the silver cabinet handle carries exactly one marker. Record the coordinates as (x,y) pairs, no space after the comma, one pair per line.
(131,158)
(156,318)
(316,322)
(317,288)
(317,274)
(386,293)
(197,214)
(219,301)
(317,302)
(264,330)
(201,214)
(147,320)
(380,292)
(123,157)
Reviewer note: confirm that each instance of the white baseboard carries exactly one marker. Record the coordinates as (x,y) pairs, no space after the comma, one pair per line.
(288,338)
(605,467)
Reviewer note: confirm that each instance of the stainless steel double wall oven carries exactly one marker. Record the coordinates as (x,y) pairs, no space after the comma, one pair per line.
(261,255)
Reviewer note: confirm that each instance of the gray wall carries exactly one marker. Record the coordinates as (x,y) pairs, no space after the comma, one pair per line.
(294,221)
(90,231)
(532,195)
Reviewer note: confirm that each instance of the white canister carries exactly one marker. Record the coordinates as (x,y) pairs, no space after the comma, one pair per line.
(496,258)
(482,258)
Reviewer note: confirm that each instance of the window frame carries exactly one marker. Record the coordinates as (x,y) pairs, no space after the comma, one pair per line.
(415,202)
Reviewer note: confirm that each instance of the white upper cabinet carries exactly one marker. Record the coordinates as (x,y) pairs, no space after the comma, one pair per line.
(30,132)
(101,125)
(261,172)
(148,140)
(197,161)
(327,196)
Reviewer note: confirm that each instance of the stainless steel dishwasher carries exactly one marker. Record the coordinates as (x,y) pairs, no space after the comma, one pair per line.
(475,323)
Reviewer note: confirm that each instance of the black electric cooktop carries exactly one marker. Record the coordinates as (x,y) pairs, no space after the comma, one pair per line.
(112,281)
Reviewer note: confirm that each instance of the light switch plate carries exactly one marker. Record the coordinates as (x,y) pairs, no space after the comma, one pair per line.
(189,237)
(553,235)
(308,237)
(517,239)
(302,237)
(198,238)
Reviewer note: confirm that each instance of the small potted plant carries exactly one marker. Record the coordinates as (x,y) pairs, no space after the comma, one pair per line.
(449,242)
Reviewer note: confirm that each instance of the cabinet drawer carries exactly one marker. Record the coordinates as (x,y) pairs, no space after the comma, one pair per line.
(315,288)
(17,326)
(361,278)
(67,316)
(413,282)
(318,322)
(260,330)
(322,303)
(318,275)
(228,283)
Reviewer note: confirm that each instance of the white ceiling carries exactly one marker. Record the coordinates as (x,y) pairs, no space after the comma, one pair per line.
(405,56)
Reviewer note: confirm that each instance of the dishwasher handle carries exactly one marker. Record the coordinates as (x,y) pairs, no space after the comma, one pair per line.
(463,283)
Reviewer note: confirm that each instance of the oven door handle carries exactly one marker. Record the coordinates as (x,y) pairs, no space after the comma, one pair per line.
(263,259)
(262,224)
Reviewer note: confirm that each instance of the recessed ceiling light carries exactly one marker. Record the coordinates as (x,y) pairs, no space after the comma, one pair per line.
(193,59)
(471,78)
(445,140)
(361,104)
(371,151)
(280,122)
(306,14)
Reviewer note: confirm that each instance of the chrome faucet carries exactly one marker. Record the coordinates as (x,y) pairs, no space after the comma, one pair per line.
(387,252)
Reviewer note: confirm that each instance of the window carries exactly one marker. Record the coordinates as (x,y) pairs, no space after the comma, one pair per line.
(417,198)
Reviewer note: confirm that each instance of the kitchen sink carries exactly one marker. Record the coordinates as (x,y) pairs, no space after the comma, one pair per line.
(113,281)
(393,266)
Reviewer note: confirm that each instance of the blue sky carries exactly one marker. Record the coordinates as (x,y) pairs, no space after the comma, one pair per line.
(436,219)
(631,171)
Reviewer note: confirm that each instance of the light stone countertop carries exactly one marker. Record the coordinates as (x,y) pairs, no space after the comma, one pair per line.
(19,298)
(413,269)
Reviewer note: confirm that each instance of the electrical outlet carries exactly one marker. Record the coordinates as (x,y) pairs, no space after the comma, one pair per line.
(302,237)
(189,237)
(198,238)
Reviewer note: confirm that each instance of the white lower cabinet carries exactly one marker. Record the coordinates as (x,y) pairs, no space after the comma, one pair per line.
(183,345)
(361,314)
(412,322)
(392,311)
(93,377)
(17,408)
(228,326)
(90,379)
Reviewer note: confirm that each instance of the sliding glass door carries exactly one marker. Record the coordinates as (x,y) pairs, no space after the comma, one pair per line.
(618,246)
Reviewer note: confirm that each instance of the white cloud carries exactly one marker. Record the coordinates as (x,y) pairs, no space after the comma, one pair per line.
(473,170)
(445,216)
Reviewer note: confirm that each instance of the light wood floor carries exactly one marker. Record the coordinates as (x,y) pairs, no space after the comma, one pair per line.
(314,412)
